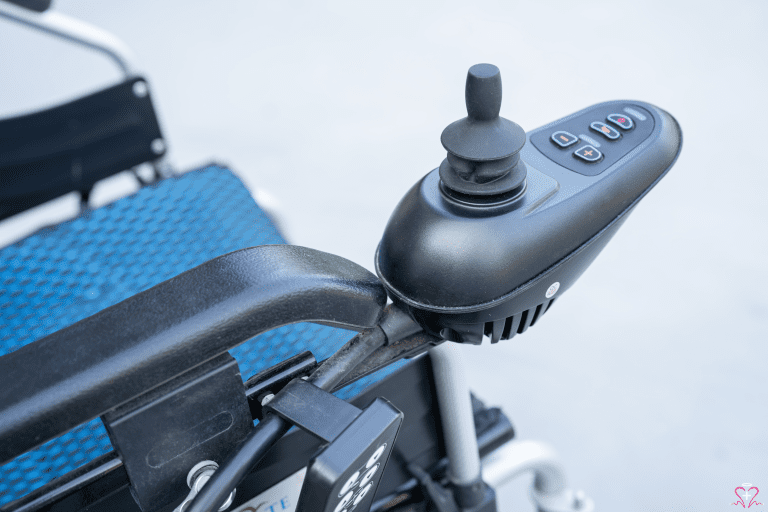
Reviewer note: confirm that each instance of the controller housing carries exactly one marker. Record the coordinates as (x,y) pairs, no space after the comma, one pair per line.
(465,270)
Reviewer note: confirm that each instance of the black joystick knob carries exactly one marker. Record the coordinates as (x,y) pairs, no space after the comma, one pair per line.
(483,164)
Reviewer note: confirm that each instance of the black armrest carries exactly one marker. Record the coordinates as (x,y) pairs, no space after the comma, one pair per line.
(93,366)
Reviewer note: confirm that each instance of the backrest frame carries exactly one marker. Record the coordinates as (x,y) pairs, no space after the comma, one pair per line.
(46,154)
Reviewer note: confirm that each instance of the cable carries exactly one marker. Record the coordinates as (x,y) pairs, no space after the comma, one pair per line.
(272,427)
(335,368)
(243,458)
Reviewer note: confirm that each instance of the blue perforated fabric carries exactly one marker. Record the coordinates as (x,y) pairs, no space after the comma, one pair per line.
(63,274)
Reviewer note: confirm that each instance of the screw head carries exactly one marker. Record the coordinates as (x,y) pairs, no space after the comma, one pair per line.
(158,146)
(140,89)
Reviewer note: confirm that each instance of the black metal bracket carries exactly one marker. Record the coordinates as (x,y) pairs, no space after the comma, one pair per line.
(314,410)
(273,379)
(200,415)
(346,472)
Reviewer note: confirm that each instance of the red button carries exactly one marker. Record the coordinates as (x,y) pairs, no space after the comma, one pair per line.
(623,121)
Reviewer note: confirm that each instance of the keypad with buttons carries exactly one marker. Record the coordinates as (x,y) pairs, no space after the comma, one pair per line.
(613,130)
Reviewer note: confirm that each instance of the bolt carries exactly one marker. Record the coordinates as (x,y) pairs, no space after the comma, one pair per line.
(267,399)
(197,477)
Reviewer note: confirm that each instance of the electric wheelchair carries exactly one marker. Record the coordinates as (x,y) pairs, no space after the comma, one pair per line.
(170,351)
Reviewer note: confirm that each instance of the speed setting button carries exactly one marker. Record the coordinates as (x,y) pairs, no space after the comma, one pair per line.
(605,130)
(588,153)
(564,139)
(621,120)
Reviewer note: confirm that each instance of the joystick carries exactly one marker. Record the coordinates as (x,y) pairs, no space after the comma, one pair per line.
(483,163)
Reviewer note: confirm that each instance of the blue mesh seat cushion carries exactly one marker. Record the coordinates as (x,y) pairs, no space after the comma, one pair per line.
(63,274)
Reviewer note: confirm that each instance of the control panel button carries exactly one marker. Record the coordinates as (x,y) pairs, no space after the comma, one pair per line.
(622,121)
(605,130)
(588,154)
(564,139)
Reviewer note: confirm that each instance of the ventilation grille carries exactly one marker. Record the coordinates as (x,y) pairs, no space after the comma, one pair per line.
(516,324)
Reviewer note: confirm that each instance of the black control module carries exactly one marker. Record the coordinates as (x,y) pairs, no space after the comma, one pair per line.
(483,245)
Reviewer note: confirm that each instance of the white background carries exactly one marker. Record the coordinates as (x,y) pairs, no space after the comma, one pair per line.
(648,376)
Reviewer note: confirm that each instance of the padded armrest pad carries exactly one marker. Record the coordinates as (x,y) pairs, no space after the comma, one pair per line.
(103,361)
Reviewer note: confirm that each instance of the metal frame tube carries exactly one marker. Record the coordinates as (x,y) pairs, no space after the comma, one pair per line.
(75,31)
(456,414)
(550,492)
(517,457)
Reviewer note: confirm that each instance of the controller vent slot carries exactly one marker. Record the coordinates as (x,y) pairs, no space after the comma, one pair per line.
(517,324)
(508,326)
(537,313)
